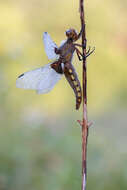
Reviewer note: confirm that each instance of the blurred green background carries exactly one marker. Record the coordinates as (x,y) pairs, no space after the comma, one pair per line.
(40,140)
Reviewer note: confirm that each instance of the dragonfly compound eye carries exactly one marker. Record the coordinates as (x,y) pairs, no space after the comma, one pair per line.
(72,34)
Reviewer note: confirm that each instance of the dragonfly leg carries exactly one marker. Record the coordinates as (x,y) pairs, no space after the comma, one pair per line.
(79,54)
(80,45)
(80,33)
(89,52)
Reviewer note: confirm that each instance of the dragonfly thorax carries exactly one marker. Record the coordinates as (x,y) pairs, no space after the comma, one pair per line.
(66,51)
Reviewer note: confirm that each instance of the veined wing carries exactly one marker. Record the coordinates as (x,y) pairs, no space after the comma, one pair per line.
(42,79)
(49,46)
(62,42)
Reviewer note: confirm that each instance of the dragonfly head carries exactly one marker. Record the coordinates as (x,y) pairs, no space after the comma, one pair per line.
(72,34)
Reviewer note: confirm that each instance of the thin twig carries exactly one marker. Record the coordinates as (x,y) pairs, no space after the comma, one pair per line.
(84,123)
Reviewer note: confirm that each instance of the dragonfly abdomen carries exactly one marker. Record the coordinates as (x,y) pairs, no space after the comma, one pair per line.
(72,78)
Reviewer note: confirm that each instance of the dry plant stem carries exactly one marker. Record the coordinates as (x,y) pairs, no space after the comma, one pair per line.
(84,123)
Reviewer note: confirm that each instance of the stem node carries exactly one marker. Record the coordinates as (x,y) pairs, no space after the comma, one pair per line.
(80,122)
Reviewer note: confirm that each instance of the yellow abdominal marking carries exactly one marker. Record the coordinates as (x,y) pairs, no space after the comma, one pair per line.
(77,88)
(75,83)
(72,77)
(79,94)
(79,99)
(70,70)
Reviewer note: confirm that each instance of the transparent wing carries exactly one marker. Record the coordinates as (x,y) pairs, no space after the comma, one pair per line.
(62,42)
(42,79)
(49,46)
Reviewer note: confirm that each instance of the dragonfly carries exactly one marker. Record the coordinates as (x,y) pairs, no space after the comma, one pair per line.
(45,78)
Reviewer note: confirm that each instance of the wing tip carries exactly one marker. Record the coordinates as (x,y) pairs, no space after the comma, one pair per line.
(21,75)
(45,34)
(19,81)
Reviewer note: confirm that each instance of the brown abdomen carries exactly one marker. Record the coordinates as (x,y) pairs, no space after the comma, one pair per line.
(72,78)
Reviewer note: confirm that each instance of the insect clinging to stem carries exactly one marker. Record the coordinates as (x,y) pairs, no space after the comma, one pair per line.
(44,79)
